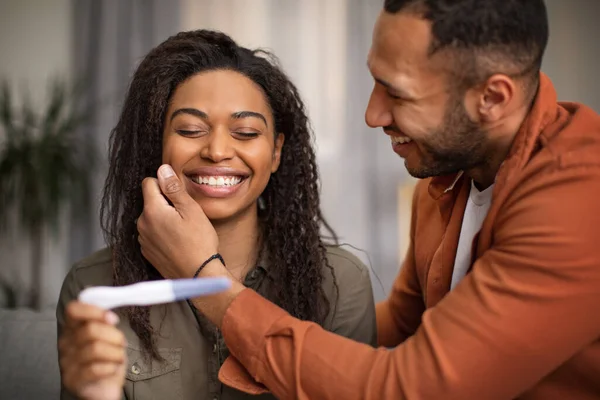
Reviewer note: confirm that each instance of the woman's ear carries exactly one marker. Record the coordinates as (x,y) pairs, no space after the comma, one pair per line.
(277,151)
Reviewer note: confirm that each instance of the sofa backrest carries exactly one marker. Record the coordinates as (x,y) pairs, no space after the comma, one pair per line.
(28,355)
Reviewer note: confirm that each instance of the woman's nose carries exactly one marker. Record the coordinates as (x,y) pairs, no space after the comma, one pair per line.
(219,146)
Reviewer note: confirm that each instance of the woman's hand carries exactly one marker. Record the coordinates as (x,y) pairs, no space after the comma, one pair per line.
(92,353)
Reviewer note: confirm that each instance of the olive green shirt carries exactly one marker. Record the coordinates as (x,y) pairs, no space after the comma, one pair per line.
(193,347)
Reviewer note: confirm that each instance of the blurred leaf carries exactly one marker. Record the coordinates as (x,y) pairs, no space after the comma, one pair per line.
(55,106)
(6,117)
(43,164)
(27,123)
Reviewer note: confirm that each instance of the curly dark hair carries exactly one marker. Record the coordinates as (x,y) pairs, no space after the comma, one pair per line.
(292,218)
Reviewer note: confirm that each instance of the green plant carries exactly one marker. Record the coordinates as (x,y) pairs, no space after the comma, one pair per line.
(44,166)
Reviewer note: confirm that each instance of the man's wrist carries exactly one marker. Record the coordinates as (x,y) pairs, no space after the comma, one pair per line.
(214,268)
(214,257)
(214,307)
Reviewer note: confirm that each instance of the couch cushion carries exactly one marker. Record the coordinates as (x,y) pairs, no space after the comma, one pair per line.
(28,355)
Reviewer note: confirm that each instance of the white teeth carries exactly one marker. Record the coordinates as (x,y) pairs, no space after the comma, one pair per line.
(400,139)
(217,181)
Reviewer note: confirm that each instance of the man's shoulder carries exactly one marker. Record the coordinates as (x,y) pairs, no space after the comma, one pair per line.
(571,141)
(95,269)
(566,158)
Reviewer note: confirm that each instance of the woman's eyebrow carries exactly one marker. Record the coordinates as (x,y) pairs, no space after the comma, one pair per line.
(249,114)
(236,115)
(190,111)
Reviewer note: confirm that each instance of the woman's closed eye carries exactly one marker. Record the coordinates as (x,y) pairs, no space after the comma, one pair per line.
(238,134)
(190,132)
(245,135)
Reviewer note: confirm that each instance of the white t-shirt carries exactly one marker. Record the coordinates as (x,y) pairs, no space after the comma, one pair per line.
(475,212)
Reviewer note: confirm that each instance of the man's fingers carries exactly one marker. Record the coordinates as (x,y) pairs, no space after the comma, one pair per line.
(151,192)
(173,188)
(77,313)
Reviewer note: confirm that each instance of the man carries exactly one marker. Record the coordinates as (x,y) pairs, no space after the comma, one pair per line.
(498,295)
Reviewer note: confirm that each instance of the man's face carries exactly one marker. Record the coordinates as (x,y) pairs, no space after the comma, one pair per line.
(416,103)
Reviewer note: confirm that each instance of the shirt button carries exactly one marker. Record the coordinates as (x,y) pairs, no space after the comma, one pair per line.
(214,348)
(135,368)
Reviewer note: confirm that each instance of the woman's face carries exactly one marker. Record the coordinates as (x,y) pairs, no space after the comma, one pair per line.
(219,138)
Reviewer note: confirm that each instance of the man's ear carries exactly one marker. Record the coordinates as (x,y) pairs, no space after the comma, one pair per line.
(277,151)
(497,94)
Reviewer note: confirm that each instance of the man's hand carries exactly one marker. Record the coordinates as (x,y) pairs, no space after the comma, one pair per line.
(175,239)
(91,353)
(178,239)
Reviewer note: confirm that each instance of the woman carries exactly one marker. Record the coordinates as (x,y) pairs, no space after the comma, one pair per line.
(234,129)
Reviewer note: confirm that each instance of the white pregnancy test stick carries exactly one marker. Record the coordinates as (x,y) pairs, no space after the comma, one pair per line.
(152,292)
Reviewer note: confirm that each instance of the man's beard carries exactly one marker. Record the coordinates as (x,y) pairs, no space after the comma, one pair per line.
(457,145)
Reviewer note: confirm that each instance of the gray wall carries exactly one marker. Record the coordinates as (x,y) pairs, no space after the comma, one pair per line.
(573,56)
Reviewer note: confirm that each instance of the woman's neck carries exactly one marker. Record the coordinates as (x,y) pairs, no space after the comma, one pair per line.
(239,242)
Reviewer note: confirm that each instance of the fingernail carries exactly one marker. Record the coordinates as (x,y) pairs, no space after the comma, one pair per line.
(166,171)
(111,318)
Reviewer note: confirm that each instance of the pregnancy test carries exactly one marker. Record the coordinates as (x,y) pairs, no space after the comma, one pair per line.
(152,292)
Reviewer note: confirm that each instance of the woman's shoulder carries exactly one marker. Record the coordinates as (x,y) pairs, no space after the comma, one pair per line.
(93,270)
(347,267)
(351,296)
(345,275)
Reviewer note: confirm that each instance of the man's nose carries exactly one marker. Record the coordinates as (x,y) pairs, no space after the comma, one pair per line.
(378,113)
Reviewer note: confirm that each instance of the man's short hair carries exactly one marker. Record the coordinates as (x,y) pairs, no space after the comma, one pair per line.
(484,37)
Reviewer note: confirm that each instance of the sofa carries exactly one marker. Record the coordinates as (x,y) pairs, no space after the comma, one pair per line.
(28,355)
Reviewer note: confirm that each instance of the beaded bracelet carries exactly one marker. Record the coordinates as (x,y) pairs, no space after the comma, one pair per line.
(216,256)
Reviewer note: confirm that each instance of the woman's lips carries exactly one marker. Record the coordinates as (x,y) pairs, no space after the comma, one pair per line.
(218,186)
